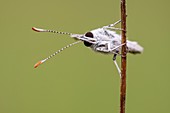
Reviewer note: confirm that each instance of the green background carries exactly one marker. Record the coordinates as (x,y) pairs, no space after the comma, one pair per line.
(79,80)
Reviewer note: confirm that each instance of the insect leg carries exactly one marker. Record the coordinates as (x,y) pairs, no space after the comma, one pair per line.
(114,28)
(112,25)
(108,49)
(117,47)
(114,60)
(114,57)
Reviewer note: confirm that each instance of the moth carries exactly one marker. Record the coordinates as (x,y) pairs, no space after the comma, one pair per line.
(104,40)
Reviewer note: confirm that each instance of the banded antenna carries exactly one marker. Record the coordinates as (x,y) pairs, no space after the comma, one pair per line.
(58,32)
(44,60)
(51,31)
(72,35)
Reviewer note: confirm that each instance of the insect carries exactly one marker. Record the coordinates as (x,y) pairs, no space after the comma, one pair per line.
(104,40)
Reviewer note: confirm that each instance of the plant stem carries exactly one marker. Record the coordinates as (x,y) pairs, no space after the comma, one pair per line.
(123,58)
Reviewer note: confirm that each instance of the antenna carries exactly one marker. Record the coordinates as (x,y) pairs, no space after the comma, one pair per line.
(51,31)
(72,35)
(44,60)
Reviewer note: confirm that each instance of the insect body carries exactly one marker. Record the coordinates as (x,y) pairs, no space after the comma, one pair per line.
(104,40)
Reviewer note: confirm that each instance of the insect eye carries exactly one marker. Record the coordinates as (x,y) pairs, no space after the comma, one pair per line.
(88,34)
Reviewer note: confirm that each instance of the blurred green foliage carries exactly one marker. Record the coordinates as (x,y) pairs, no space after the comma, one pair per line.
(78,80)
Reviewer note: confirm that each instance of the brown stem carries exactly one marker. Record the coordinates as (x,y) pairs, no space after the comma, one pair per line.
(123,58)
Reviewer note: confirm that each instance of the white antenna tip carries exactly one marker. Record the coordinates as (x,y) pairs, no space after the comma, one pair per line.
(38,29)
